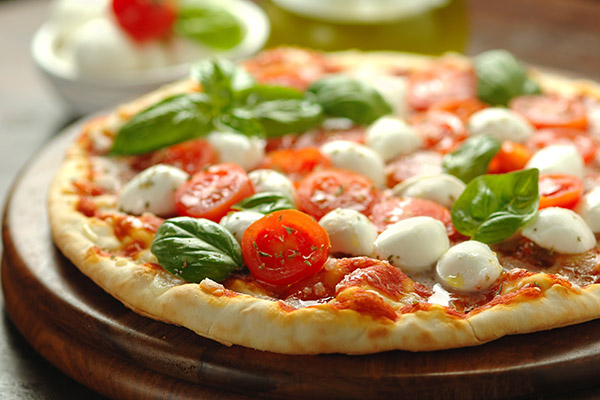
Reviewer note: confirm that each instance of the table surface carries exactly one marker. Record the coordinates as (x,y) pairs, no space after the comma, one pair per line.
(559,34)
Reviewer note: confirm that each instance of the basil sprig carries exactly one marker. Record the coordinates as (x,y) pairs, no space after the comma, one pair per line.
(472,158)
(208,23)
(493,207)
(500,77)
(343,96)
(194,249)
(265,203)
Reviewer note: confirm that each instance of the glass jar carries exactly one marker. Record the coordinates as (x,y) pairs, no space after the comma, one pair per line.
(420,26)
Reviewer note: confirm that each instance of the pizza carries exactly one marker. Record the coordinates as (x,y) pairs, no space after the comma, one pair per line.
(302,202)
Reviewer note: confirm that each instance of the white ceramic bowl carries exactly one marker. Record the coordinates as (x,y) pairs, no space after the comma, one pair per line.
(86,94)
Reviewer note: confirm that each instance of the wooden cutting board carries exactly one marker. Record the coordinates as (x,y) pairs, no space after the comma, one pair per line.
(100,343)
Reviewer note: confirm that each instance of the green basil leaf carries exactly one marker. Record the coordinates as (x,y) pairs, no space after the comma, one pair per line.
(172,120)
(493,207)
(209,24)
(472,158)
(500,77)
(240,121)
(194,249)
(343,96)
(280,117)
(265,203)
(220,79)
(260,93)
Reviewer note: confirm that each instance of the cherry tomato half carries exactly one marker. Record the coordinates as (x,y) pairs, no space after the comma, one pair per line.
(583,141)
(558,190)
(323,191)
(545,111)
(212,192)
(462,108)
(295,162)
(285,246)
(417,163)
(393,209)
(145,20)
(441,83)
(511,157)
(191,156)
(441,131)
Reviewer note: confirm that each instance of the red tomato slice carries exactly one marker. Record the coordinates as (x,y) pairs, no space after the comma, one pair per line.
(558,190)
(545,111)
(441,131)
(212,192)
(441,83)
(190,156)
(417,163)
(462,108)
(295,162)
(511,157)
(323,191)
(145,20)
(393,209)
(583,141)
(284,247)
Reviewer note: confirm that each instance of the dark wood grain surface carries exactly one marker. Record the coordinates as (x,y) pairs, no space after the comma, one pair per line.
(560,34)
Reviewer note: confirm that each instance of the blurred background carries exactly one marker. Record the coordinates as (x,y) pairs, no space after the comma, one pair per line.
(558,35)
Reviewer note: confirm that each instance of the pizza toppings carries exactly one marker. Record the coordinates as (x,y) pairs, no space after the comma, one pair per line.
(355,157)
(413,244)
(559,190)
(545,111)
(558,159)
(391,136)
(152,190)
(238,222)
(237,148)
(589,209)
(350,232)
(500,123)
(469,266)
(284,247)
(268,180)
(444,189)
(561,230)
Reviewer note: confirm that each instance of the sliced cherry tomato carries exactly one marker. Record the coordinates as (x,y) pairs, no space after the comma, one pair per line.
(417,163)
(511,157)
(190,156)
(393,209)
(545,111)
(295,162)
(441,131)
(558,190)
(285,246)
(462,108)
(323,191)
(583,141)
(442,83)
(145,20)
(212,192)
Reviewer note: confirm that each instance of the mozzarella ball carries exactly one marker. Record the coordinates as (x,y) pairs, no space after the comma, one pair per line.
(350,232)
(268,180)
(561,230)
(391,136)
(238,222)
(589,209)
(237,148)
(152,190)
(468,267)
(413,244)
(392,89)
(558,159)
(356,157)
(444,189)
(501,123)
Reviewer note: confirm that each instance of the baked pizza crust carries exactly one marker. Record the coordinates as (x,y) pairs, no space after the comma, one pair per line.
(212,311)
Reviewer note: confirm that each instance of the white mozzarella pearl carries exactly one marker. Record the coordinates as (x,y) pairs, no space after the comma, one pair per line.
(561,230)
(237,148)
(589,209)
(356,157)
(558,159)
(469,266)
(444,189)
(501,123)
(152,190)
(391,136)
(268,180)
(393,90)
(238,222)
(413,244)
(350,232)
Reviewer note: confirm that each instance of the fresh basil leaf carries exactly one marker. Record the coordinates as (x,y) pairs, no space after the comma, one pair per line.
(280,117)
(209,24)
(493,207)
(343,96)
(261,93)
(240,121)
(172,120)
(220,79)
(472,158)
(500,77)
(194,249)
(265,203)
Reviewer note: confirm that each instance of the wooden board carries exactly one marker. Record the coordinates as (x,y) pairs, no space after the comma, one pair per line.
(99,342)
